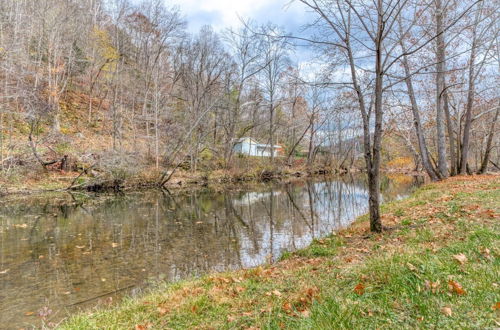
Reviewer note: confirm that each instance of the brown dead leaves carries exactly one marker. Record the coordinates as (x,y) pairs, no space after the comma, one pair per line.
(239,289)
(359,289)
(455,287)
(300,304)
(446,311)
(432,286)
(225,281)
(411,267)
(274,293)
(162,310)
(486,253)
(461,258)
(489,213)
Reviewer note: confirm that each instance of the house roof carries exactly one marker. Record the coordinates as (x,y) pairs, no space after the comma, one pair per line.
(255,142)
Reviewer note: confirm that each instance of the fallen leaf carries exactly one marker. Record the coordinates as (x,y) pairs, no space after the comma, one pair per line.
(461,258)
(305,313)
(162,310)
(311,292)
(486,253)
(348,259)
(432,286)
(455,287)
(496,306)
(140,327)
(411,267)
(287,307)
(490,213)
(29,313)
(239,289)
(359,289)
(446,311)
(277,293)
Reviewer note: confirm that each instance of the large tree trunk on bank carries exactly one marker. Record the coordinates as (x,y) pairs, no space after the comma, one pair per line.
(373,176)
(374,173)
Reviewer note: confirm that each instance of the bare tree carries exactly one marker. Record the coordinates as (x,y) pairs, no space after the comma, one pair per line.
(354,27)
(274,63)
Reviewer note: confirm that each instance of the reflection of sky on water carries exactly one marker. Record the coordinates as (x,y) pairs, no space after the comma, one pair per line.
(67,251)
(315,211)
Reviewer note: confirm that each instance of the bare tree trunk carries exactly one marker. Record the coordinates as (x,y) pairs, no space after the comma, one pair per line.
(373,183)
(374,170)
(451,135)
(491,134)
(470,99)
(294,147)
(271,130)
(422,146)
(311,143)
(440,81)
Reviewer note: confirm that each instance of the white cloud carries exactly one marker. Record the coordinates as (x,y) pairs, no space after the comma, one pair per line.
(225,13)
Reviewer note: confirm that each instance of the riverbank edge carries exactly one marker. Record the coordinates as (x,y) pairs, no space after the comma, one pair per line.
(436,265)
(184,181)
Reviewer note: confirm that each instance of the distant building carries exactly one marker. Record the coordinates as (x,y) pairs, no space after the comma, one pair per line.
(250,147)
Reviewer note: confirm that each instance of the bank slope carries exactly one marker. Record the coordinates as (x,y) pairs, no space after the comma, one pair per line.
(436,265)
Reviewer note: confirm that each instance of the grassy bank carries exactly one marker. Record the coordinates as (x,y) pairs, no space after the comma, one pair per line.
(437,265)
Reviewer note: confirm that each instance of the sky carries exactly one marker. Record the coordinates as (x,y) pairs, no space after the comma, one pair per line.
(225,13)
(222,14)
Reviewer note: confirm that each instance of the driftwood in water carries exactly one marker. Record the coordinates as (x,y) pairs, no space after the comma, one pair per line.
(100,186)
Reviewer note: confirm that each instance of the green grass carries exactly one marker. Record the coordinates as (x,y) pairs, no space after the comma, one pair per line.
(399,279)
(396,295)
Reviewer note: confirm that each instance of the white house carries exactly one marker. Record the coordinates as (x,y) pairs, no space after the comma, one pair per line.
(250,147)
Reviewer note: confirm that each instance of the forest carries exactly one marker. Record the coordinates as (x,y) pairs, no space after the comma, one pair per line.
(114,89)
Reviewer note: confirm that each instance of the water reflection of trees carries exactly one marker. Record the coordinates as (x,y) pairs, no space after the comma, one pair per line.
(73,251)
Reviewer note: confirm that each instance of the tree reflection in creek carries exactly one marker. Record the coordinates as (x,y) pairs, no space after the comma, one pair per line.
(64,252)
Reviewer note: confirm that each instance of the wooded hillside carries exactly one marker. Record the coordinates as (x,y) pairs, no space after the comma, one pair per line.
(121,88)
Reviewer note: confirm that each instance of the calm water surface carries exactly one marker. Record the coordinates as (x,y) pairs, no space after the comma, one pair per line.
(62,252)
